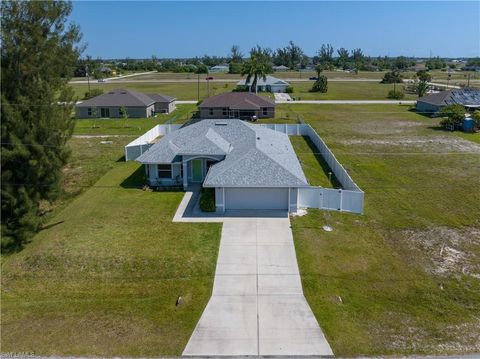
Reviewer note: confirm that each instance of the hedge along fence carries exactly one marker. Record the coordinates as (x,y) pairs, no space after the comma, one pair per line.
(348,199)
(141,144)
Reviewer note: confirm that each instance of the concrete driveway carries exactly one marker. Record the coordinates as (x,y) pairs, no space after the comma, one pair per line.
(257,305)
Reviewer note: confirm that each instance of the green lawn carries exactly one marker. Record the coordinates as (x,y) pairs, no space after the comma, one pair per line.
(104,279)
(346,91)
(314,166)
(181,91)
(400,279)
(133,126)
(407,270)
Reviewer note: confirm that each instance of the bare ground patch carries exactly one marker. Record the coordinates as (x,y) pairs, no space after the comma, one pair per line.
(385,127)
(444,251)
(436,143)
(408,335)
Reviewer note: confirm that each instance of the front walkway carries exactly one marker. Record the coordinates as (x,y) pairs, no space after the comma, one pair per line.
(257,305)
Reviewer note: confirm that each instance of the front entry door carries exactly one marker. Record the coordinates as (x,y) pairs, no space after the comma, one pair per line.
(197,173)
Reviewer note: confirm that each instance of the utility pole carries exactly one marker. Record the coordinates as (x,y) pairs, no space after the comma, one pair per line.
(198,87)
(88,77)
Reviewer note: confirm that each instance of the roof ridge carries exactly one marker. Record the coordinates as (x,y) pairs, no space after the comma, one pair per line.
(266,154)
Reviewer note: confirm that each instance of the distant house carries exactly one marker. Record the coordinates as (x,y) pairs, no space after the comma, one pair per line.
(468,97)
(219,68)
(243,105)
(270,84)
(280,68)
(136,104)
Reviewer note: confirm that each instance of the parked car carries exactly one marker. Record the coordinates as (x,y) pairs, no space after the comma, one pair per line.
(102,80)
(209,78)
(313,78)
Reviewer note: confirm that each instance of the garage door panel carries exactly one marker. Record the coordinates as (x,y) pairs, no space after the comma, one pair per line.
(256,198)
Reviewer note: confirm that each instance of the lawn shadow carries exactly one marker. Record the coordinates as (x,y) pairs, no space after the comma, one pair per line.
(51,225)
(323,164)
(121,159)
(135,180)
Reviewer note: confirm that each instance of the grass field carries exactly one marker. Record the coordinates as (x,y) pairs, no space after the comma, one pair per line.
(346,91)
(105,277)
(181,91)
(133,126)
(404,277)
(188,91)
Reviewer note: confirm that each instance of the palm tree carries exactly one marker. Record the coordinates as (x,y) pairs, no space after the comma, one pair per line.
(258,66)
(319,69)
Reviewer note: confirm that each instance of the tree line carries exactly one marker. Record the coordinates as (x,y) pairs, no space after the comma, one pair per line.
(291,56)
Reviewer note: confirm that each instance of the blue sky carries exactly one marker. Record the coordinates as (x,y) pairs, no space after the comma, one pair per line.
(186,29)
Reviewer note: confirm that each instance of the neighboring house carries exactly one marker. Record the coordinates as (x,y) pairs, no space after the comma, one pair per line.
(136,104)
(467,97)
(280,68)
(219,68)
(250,166)
(243,105)
(270,84)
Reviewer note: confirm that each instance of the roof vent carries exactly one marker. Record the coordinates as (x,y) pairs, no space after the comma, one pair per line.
(258,138)
(221,123)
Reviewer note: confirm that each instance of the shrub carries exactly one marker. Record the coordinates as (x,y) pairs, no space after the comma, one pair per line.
(240,88)
(320,85)
(207,200)
(92,93)
(395,94)
(453,116)
(289,89)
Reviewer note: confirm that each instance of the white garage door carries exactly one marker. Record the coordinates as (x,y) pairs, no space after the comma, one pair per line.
(256,198)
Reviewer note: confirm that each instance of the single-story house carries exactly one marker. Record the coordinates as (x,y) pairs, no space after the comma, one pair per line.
(136,104)
(270,84)
(242,105)
(467,97)
(219,68)
(249,166)
(280,68)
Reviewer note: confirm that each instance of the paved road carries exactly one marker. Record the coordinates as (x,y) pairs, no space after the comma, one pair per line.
(117,78)
(349,102)
(257,305)
(125,81)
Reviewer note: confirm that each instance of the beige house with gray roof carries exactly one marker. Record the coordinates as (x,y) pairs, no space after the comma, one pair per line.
(136,104)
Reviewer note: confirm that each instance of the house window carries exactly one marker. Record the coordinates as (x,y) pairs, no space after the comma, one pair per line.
(89,111)
(225,111)
(164,171)
(265,111)
(211,112)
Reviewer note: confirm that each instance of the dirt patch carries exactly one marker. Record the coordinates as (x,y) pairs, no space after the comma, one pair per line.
(409,335)
(385,127)
(444,251)
(436,143)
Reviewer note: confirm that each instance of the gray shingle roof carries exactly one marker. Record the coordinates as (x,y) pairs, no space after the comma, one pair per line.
(160,98)
(465,97)
(255,156)
(127,98)
(270,80)
(236,100)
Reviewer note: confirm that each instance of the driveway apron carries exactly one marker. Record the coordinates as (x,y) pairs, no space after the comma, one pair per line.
(257,305)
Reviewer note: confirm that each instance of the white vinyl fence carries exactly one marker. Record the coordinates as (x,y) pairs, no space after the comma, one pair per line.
(347,199)
(138,146)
